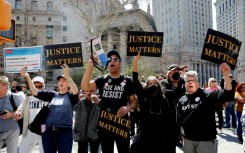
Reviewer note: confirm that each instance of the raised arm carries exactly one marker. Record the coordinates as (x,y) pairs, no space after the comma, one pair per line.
(86,84)
(226,70)
(135,62)
(33,89)
(72,85)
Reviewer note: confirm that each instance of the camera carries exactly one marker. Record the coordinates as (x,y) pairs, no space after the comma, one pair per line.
(3,112)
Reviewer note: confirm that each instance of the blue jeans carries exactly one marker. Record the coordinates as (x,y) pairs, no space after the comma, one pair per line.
(239,125)
(59,139)
(230,117)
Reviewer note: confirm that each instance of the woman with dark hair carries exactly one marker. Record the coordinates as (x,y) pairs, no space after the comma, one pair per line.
(157,125)
(240,100)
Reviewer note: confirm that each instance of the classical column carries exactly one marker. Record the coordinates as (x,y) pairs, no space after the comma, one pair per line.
(123,45)
(109,40)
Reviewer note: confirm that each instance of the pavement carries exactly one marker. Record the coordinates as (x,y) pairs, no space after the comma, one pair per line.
(227,143)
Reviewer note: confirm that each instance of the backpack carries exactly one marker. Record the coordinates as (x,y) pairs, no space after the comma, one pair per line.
(20,121)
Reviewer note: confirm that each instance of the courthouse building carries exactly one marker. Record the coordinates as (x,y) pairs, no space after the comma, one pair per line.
(185,24)
(230,17)
(49,22)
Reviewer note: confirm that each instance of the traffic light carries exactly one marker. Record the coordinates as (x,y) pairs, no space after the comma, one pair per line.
(8,35)
(5,15)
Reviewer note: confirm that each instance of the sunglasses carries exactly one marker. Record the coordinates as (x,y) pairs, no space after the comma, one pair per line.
(39,87)
(114,60)
(213,81)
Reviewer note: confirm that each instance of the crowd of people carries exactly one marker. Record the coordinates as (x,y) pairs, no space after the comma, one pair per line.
(165,111)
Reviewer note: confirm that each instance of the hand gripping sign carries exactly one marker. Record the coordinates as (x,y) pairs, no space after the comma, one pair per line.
(95,44)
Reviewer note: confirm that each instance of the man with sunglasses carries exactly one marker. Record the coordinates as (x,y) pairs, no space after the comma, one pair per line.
(28,111)
(196,111)
(115,91)
(9,129)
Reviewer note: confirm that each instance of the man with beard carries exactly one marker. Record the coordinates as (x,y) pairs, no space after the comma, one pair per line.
(240,100)
(115,90)
(174,89)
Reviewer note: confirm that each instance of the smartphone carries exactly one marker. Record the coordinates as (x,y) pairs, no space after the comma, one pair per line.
(3,112)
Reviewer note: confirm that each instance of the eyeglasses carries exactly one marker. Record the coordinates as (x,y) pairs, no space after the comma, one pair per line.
(213,81)
(39,87)
(114,60)
(189,81)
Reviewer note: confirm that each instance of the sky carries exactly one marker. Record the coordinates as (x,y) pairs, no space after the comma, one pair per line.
(143,6)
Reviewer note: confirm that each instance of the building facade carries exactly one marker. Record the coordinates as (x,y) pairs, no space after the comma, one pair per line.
(230,17)
(185,24)
(49,22)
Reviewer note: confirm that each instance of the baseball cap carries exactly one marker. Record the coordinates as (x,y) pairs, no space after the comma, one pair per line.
(61,76)
(4,79)
(113,52)
(38,79)
(23,85)
(173,67)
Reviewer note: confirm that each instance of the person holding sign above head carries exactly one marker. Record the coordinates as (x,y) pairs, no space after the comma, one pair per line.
(115,91)
(57,132)
(196,111)
(157,124)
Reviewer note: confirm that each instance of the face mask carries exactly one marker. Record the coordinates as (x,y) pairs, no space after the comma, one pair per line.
(153,89)
(176,76)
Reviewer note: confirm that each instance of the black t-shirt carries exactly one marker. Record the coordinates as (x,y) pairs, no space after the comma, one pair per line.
(114,92)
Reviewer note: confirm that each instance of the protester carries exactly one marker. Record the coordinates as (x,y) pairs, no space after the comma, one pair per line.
(9,129)
(205,85)
(230,116)
(197,112)
(183,70)
(57,134)
(157,125)
(240,100)
(24,89)
(161,77)
(19,92)
(13,86)
(213,85)
(115,91)
(174,89)
(28,111)
(86,120)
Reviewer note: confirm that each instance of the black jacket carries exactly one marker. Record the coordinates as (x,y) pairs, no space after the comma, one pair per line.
(197,113)
(156,121)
